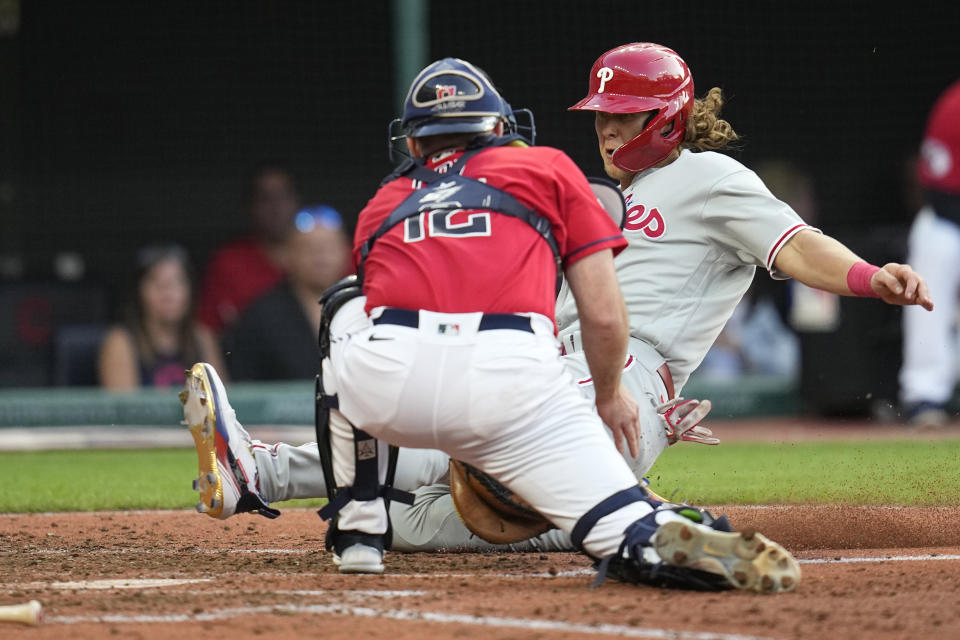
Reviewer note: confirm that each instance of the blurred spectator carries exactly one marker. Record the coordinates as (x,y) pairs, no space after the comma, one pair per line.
(755,341)
(244,269)
(928,376)
(275,337)
(157,339)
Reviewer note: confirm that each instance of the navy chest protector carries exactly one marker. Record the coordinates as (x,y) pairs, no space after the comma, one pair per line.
(451,191)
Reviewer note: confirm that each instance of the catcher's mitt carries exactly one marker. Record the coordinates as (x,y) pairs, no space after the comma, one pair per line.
(489,509)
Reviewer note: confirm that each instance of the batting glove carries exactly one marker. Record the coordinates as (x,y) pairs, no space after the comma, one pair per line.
(682,421)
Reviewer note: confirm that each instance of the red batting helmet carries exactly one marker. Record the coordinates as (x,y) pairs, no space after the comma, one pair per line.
(939,167)
(636,77)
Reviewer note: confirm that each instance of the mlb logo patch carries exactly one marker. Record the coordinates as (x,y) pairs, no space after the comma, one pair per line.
(448,329)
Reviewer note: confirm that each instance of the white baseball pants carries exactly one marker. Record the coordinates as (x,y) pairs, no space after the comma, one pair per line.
(930,358)
(500,400)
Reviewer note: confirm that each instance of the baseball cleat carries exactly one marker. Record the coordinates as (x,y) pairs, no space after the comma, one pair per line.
(227,481)
(747,560)
(359,558)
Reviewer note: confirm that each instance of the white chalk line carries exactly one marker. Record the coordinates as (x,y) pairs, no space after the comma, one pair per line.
(878,559)
(199,551)
(115,583)
(406,614)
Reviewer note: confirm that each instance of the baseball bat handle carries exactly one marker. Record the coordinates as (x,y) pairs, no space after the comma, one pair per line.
(30,613)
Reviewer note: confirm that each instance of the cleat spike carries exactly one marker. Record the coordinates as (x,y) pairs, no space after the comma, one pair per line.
(202,507)
(746,560)
(183,395)
(215,503)
(211,478)
(196,484)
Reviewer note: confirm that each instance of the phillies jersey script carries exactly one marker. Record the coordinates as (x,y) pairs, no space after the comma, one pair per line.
(426,262)
(698,228)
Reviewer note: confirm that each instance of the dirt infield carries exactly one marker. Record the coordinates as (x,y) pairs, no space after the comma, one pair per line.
(166,574)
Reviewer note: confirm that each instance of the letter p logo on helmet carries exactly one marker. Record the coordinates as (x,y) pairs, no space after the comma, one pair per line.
(605,74)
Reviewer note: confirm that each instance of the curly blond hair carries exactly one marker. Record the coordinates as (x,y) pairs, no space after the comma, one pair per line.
(706,131)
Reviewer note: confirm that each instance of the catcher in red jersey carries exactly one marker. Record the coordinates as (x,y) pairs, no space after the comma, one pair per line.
(450,343)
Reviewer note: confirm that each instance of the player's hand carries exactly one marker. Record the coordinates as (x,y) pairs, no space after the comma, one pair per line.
(622,416)
(899,284)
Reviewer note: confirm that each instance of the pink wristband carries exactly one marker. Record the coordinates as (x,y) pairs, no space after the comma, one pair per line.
(858,279)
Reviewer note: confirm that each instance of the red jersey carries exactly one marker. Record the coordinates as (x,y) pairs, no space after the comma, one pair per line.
(236,275)
(482,260)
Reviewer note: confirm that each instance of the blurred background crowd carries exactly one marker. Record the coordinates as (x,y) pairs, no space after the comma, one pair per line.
(179,181)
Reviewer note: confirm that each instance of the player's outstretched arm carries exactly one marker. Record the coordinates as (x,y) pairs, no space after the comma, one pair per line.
(822,262)
(605,328)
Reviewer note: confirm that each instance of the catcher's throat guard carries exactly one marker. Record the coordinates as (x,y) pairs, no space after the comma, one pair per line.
(490,510)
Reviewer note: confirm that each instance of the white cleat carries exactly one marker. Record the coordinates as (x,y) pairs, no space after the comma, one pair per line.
(359,558)
(746,559)
(227,481)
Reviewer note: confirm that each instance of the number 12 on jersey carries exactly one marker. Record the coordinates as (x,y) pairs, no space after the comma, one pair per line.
(441,223)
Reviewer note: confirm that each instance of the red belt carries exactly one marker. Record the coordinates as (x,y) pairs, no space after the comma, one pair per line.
(667,377)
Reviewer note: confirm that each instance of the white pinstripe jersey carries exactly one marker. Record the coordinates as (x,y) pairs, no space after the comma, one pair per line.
(698,228)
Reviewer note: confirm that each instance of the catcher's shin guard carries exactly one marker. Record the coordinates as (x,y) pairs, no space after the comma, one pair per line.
(366,485)
(614,503)
(331,301)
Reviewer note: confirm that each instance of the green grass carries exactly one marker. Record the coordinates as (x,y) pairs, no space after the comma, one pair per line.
(877,472)
(101,479)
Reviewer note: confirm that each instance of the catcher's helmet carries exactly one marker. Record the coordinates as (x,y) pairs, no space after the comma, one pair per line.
(451,96)
(636,77)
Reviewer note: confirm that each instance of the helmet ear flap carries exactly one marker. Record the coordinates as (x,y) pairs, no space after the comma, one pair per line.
(652,145)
